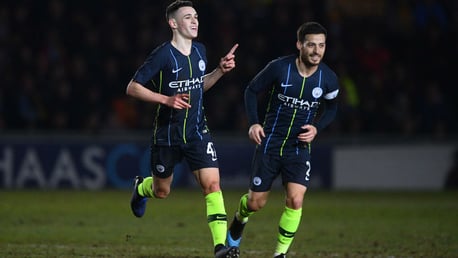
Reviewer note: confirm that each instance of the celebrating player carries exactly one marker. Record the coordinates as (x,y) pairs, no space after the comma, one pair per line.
(174,77)
(299,85)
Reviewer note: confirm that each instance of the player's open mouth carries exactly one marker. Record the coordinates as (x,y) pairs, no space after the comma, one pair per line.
(315,58)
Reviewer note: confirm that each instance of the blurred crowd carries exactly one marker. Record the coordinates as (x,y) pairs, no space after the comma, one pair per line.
(65,64)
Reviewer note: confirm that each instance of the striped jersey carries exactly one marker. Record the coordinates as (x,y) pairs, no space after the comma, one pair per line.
(293,102)
(167,71)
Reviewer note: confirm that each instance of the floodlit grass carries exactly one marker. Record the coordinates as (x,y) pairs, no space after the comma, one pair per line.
(334,224)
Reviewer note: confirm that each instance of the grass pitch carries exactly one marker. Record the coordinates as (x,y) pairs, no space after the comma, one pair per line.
(334,224)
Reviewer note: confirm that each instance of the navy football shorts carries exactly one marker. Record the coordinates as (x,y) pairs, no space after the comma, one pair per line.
(293,168)
(198,154)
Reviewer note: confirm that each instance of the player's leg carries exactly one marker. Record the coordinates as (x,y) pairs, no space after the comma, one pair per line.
(264,171)
(203,161)
(295,177)
(290,218)
(155,187)
(209,180)
(163,159)
(144,189)
(248,205)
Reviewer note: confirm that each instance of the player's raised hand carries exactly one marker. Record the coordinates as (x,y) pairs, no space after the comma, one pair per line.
(227,62)
(179,101)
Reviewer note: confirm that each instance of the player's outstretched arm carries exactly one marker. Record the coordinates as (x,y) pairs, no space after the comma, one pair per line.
(140,92)
(226,64)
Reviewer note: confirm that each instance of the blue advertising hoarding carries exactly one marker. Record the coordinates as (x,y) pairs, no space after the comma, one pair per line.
(93,164)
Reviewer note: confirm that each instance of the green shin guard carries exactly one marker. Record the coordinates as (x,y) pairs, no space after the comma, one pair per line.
(216,217)
(243,212)
(289,223)
(145,188)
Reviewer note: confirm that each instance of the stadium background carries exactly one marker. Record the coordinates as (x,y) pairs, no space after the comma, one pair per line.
(65,120)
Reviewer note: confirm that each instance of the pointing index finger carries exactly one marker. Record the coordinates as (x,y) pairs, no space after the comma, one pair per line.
(231,52)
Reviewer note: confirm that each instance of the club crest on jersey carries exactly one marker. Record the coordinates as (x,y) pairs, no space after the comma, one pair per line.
(202,65)
(317,92)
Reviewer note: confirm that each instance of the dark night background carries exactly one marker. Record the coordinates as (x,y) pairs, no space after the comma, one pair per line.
(65,64)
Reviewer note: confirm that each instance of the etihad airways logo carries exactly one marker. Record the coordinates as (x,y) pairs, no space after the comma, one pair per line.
(186,85)
(293,102)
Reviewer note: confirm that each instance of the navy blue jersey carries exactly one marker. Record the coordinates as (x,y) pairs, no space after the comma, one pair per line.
(294,101)
(167,71)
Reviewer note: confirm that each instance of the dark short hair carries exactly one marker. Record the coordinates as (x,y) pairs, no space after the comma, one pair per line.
(174,6)
(310,28)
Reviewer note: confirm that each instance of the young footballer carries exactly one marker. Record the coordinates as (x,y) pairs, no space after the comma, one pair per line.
(174,77)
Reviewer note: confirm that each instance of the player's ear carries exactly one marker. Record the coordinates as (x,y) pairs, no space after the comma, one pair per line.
(298,45)
(173,23)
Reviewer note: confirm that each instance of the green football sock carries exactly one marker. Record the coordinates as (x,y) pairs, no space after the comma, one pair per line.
(216,217)
(243,212)
(145,188)
(289,223)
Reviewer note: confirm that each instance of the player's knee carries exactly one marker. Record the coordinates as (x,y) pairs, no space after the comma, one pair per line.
(256,205)
(211,188)
(294,203)
(161,194)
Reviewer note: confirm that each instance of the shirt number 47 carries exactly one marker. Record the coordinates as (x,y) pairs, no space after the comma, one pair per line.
(211,151)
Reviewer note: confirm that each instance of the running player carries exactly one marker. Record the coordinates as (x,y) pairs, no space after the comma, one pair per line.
(299,85)
(174,77)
